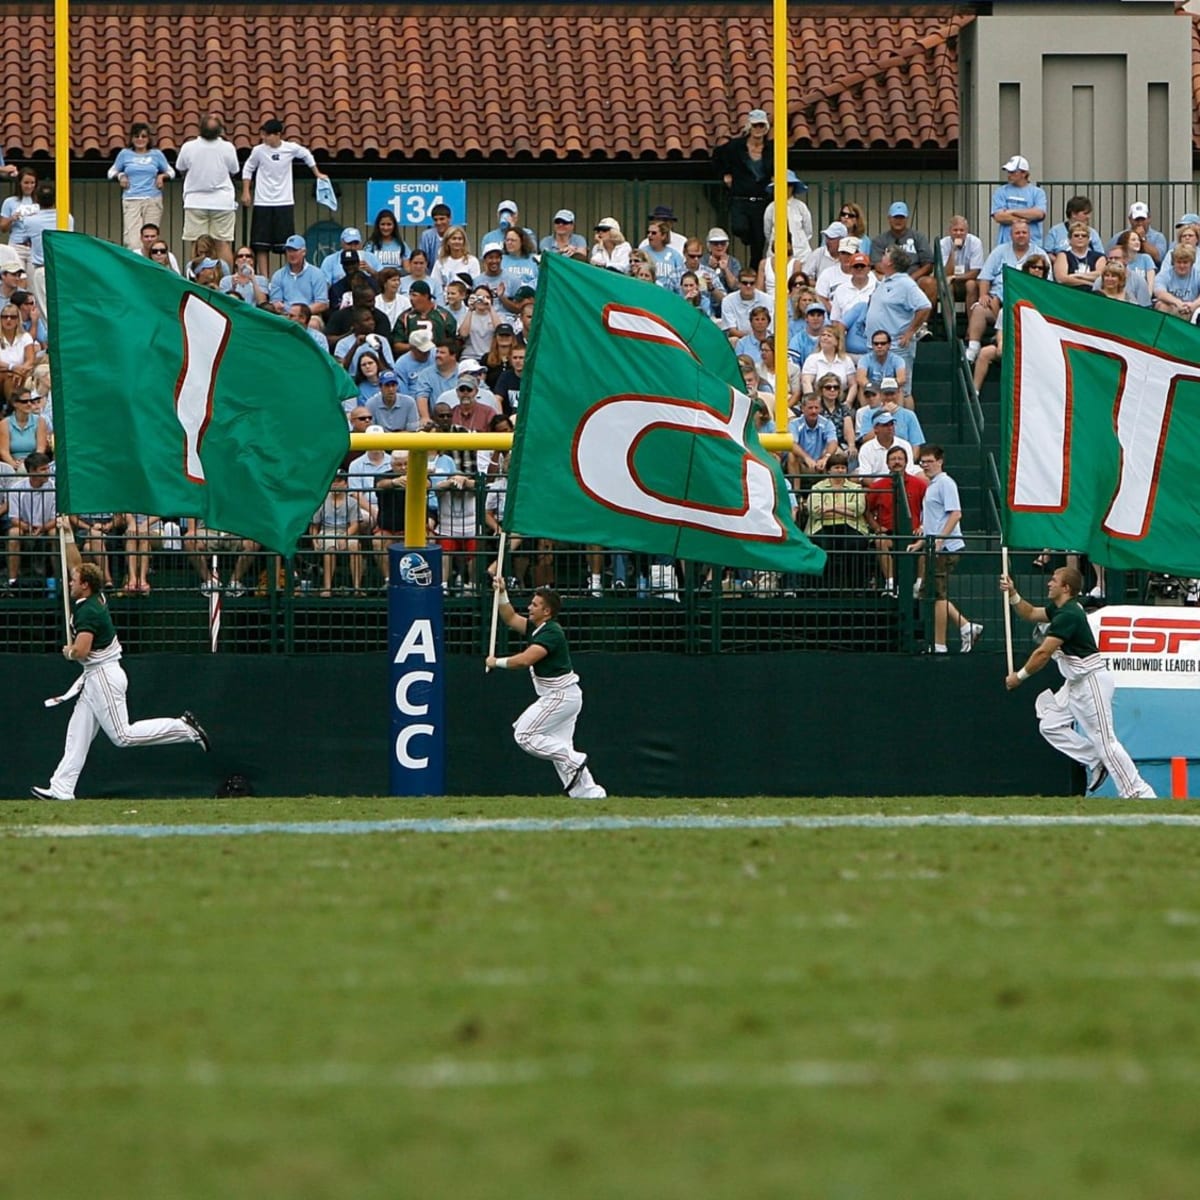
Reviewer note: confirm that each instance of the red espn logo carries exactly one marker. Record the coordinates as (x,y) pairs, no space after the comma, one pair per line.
(1146,635)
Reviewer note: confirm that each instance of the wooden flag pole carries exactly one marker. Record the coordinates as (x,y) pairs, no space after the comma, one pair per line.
(496,596)
(64,575)
(1008,645)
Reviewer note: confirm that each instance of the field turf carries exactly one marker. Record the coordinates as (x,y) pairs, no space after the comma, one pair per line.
(923,1012)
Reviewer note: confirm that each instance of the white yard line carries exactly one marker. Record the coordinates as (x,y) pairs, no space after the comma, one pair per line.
(451,1074)
(602,824)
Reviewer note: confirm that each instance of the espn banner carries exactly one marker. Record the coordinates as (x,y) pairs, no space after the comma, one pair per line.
(1153,653)
(1149,647)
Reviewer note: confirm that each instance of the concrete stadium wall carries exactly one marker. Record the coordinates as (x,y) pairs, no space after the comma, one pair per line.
(655,725)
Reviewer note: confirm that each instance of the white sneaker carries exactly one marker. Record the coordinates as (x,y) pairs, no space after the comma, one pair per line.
(918,587)
(595,792)
(969,632)
(1097,593)
(973,351)
(47,794)
(235,589)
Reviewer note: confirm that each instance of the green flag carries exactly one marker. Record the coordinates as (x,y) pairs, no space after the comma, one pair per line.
(634,432)
(177,400)
(1100,419)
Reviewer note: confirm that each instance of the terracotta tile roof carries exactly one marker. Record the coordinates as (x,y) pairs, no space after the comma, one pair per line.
(583,87)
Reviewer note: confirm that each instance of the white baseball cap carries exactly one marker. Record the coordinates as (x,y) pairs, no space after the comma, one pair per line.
(835,229)
(1139,208)
(1017,163)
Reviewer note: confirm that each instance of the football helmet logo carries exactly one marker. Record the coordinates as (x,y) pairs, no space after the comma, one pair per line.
(415,569)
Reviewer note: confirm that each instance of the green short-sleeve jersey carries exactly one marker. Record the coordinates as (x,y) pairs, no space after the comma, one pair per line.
(92,616)
(1069,623)
(550,636)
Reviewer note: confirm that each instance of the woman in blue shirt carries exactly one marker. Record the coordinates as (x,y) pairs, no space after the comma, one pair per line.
(386,243)
(518,268)
(141,170)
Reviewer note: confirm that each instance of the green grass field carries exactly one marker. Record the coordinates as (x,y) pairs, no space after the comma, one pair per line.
(926,1013)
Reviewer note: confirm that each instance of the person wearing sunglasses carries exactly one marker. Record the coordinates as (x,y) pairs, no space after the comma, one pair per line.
(16,351)
(23,431)
(852,216)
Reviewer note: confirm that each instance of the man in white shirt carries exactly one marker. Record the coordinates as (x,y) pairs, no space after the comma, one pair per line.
(269,167)
(962,257)
(207,163)
(737,306)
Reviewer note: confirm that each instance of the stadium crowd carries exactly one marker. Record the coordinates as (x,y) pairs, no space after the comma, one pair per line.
(433,332)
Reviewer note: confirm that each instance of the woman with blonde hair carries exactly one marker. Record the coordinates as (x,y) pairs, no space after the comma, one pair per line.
(830,357)
(611,249)
(17,351)
(454,259)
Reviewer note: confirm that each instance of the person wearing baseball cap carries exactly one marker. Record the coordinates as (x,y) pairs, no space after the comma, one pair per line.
(826,254)
(611,250)
(853,289)
(564,240)
(297,281)
(1154,243)
(350,254)
(508,216)
(718,268)
(745,166)
(1018,197)
(900,235)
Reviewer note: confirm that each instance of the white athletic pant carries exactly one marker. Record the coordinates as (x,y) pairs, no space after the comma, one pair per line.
(1087,702)
(546,729)
(101,705)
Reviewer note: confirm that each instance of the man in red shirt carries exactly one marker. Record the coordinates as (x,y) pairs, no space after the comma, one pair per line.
(881,512)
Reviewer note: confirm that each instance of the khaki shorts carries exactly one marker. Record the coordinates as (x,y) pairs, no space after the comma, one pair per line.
(942,570)
(216,223)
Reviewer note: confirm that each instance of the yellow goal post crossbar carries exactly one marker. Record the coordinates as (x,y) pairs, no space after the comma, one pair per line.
(419,446)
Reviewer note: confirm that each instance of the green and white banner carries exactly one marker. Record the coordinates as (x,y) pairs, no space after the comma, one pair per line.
(178,400)
(634,431)
(1100,423)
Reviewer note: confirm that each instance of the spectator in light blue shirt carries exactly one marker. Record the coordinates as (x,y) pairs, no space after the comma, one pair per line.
(333,265)
(141,170)
(35,224)
(1154,243)
(1177,286)
(804,341)
(298,281)
(1018,199)
(1079,208)
(899,307)
(814,439)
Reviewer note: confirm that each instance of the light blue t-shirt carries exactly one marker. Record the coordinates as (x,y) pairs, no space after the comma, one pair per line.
(142,169)
(1001,257)
(1011,196)
(309,286)
(941,499)
(894,304)
(812,439)
(331,264)
(35,225)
